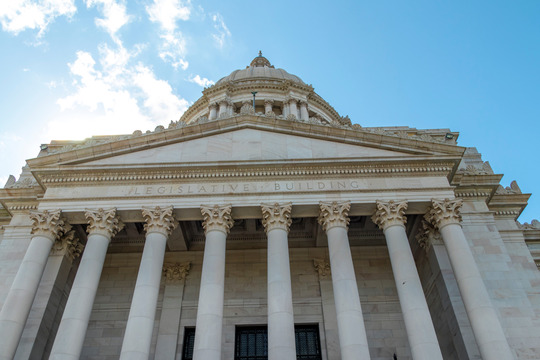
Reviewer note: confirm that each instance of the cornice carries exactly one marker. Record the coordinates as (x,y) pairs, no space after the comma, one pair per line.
(328,168)
(508,205)
(171,136)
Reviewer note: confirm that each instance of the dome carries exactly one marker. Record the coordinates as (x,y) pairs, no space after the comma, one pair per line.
(260,67)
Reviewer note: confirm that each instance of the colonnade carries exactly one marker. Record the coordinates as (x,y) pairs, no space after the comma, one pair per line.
(217,221)
(296,107)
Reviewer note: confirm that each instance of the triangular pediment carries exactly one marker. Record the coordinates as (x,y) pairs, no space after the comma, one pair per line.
(243,141)
(246,145)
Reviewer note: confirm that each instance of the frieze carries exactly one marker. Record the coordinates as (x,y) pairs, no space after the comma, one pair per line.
(438,168)
(253,187)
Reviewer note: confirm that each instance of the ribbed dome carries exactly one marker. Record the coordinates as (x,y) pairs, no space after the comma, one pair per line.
(260,67)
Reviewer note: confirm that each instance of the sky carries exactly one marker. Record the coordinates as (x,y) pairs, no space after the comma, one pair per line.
(71,69)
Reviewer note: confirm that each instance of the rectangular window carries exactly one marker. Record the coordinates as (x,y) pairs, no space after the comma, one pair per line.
(189,343)
(308,345)
(252,343)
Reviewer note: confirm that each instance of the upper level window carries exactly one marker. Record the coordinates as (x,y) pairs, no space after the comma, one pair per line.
(252,343)
(189,343)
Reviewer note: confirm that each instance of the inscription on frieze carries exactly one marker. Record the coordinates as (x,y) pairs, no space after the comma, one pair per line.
(247,187)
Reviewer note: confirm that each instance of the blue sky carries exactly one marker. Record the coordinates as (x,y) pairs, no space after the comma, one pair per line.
(74,68)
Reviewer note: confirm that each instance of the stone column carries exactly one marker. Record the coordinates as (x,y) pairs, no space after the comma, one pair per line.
(352,333)
(65,251)
(285,111)
(304,115)
(293,109)
(167,339)
(390,217)
(487,329)
(268,106)
(223,108)
(102,225)
(217,223)
(281,339)
(140,325)
(213,111)
(322,266)
(46,227)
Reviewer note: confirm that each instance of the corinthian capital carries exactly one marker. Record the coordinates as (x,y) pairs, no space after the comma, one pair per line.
(276,216)
(103,222)
(444,212)
(217,218)
(176,271)
(322,267)
(68,244)
(159,220)
(390,213)
(334,214)
(428,236)
(47,223)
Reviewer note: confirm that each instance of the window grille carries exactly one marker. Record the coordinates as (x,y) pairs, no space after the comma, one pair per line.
(252,343)
(189,343)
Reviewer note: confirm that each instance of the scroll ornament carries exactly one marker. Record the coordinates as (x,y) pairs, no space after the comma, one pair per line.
(276,216)
(334,214)
(159,220)
(217,218)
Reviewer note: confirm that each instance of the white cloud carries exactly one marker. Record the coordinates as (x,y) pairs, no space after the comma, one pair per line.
(173,50)
(114,15)
(222,32)
(159,100)
(204,82)
(114,97)
(19,15)
(166,13)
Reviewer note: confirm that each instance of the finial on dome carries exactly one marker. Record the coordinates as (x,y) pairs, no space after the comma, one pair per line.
(260,61)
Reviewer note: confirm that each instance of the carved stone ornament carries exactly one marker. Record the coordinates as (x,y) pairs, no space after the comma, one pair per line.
(176,271)
(47,223)
(428,236)
(276,216)
(444,212)
(103,222)
(509,190)
(68,244)
(389,214)
(334,214)
(322,266)
(534,225)
(159,220)
(217,218)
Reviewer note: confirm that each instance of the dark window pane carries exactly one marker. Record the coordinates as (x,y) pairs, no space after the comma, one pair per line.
(189,343)
(252,343)
(308,346)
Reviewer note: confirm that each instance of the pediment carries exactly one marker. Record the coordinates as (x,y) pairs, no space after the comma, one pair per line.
(246,145)
(244,141)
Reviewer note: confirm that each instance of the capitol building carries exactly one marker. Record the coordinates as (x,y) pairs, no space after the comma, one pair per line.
(264,225)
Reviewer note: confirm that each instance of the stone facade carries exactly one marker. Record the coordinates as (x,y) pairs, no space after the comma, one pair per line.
(389,242)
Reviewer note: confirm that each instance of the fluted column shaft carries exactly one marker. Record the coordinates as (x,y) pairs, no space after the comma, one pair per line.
(45,229)
(304,114)
(209,324)
(281,338)
(103,224)
(487,329)
(140,325)
(420,330)
(268,106)
(213,111)
(293,109)
(352,333)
